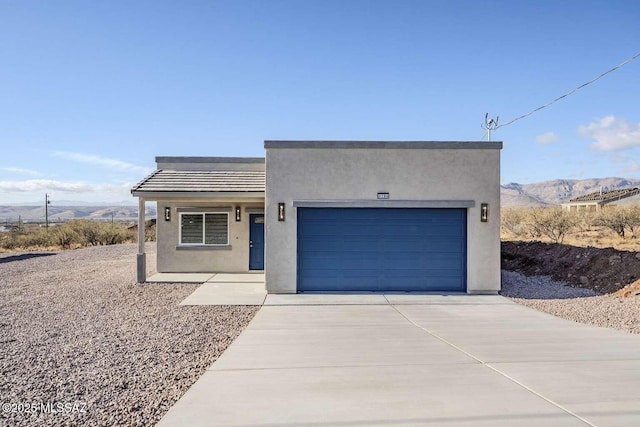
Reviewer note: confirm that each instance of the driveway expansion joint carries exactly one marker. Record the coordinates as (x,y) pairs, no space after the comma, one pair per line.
(496,370)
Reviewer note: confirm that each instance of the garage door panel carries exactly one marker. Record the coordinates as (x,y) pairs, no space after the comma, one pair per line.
(369,261)
(310,273)
(452,230)
(445,283)
(399,229)
(453,244)
(368,273)
(320,261)
(401,260)
(356,243)
(402,243)
(381,249)
(355,229)
(321,244)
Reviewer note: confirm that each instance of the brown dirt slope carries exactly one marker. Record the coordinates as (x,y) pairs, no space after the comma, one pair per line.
(604,270)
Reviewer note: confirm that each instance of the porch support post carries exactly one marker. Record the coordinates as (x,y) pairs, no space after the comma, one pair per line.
(142,256)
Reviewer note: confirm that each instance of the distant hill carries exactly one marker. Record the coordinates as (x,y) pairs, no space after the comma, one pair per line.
(544,193)
(31,213)
(559,190)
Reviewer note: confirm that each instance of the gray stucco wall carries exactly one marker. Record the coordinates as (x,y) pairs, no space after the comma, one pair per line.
(448,171)
(175,259)
(210,163)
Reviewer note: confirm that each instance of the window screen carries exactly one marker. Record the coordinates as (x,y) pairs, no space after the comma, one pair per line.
(191,228)
(215,229)
(204,228)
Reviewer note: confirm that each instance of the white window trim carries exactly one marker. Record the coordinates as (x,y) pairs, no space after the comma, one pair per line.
(203,229)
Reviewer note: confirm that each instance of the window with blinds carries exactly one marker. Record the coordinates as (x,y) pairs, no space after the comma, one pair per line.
(204,228)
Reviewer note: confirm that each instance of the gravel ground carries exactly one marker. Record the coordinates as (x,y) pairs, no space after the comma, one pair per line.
(79,335)
(577,304)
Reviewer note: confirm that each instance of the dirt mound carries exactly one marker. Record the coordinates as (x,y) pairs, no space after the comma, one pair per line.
(603,270)
(632,290)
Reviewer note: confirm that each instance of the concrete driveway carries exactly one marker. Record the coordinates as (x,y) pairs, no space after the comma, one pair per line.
(430,360)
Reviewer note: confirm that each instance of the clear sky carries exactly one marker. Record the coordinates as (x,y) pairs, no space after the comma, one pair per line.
(92,91)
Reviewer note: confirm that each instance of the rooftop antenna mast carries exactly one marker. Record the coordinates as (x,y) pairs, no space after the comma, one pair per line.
(489,125)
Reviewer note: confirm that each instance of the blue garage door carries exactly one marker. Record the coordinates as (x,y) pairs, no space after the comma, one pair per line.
(353,249)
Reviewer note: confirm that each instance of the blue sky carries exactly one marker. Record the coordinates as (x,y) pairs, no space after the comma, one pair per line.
(92,91)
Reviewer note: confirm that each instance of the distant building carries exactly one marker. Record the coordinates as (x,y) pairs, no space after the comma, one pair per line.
(593,202)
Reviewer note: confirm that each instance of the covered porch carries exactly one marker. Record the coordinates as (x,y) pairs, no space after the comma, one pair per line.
(210,217)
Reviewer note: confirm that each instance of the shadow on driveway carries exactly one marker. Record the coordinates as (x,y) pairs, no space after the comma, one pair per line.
(24,256)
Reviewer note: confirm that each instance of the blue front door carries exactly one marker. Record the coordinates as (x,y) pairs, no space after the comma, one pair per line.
(256,242)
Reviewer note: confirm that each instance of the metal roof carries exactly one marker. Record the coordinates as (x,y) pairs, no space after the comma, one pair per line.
(171,181)
(606,196)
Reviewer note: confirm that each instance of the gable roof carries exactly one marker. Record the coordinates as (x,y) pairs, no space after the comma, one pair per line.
(606,196)
(200,182)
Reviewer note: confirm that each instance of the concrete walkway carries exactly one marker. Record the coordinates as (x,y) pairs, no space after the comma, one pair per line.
(229,289)
(431,360)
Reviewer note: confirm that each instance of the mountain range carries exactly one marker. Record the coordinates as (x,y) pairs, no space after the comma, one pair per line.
(545,193)
(558,191)
(32,213)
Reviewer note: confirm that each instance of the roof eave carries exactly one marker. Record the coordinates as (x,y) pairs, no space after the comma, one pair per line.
(150,195)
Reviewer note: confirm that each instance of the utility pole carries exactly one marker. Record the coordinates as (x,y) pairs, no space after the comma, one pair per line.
(46,210)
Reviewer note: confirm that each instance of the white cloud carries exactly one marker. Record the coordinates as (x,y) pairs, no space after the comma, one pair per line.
(630,165)
(20,170)
(102,161)
(611,133)
(42,185)
(547,138)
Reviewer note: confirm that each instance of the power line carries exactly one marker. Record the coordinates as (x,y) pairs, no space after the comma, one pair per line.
(571,92)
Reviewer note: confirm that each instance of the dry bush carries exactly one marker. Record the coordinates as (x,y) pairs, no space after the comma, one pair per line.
(512,221)
(554,223)
(585,221)
(66,236)
(150,231)
(610,227)
(76,233)
(30,239)
(534,223)
(620,219)
(95,233)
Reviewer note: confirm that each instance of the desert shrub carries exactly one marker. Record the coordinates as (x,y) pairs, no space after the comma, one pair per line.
(34,238)
(8,241)
(89,231)
(76,233)
(585,220)
(114,235)
(97,233)
(620,219)
(150,231)
(554,223)
(66,236)
(513,221)
(39,239)
(633,219)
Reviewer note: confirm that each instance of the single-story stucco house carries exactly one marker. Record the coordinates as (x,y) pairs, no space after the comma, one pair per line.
(334,215)
(595,201)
